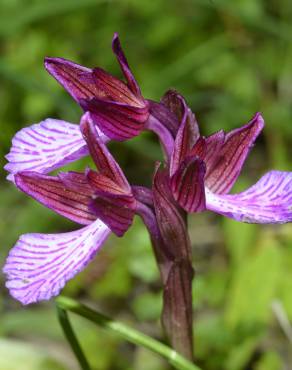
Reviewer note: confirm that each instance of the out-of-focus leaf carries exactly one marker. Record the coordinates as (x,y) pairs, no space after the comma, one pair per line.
(210,289)
(254,284)
(146,360)
(40,11)
(21,321)
(240,355)
(239,248)
(142,262)
(212,336)
(15,355)
(147,306)
(270,361)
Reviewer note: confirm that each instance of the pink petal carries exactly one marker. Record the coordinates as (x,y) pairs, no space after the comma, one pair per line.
(225,160)
(268,201)
(45,146)
(39,265)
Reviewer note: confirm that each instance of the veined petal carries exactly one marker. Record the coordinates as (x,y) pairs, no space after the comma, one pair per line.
(117,212)
(131,81)
(45,146)
(186,137)
(115,90)
(76,79)
(167,118)
(85,83)
(111,203)
(268,201)
(39,265)
(103,185)
(101,156)
(118,121)
(77,182)
(53,193)
(225,167)
(176,105)
(187,185)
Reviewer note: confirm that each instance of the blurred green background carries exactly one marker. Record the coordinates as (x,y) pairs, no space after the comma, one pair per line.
(229,59)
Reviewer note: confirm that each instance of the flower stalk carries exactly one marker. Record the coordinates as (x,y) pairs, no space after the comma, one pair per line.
(127,333)
(70,336)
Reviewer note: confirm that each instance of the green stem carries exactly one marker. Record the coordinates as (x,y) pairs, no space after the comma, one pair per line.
(131,335)
(71,337)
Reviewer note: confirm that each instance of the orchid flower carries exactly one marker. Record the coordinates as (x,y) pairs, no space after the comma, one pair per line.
(118,108)
(198,175)
(39,265)
(203,170)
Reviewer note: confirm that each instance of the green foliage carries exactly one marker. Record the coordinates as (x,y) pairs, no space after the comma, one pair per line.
(230,59)
(26,357)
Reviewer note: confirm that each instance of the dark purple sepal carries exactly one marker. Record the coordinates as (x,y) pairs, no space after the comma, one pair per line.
(117,120)
(214,144)
(185,140)
(117,212)
(54,194)
(104,185)
(111,88)
(162,114)
(101,156)
(225,166)
(177,105)
(76,181)
(199,149)
(111,203)
(187,185)
(131,81)
(174,103)
(76,79)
